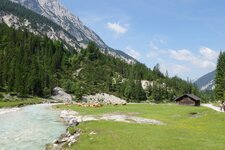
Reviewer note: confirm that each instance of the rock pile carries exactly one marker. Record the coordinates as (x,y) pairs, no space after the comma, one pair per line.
(105,99)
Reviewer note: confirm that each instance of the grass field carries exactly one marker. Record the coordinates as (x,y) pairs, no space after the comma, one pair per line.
(19,103)
(187,128)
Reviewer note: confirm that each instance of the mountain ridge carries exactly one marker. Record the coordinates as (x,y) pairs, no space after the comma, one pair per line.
(206,82)
(54,11)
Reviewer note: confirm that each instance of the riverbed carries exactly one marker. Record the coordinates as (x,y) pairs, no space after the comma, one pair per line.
(30,127)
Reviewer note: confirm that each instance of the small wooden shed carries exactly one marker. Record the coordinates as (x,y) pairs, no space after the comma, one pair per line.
(188,99)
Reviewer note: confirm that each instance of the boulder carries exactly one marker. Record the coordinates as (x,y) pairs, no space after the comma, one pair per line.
(60,95)
(73,122)
(70,117)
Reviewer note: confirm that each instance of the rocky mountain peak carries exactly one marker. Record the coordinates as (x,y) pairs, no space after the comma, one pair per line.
(54,11)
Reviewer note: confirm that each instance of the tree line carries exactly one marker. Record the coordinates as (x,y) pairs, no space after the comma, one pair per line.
(34,65)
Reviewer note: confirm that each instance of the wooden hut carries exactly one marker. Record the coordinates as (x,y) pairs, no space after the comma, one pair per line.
(188,99)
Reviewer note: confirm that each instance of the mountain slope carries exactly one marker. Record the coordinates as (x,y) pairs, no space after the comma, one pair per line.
(18,17)
(54,11)
(33,64)
(206,82)
(58,14)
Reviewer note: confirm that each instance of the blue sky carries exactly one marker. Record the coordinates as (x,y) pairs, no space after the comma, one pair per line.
(183,36)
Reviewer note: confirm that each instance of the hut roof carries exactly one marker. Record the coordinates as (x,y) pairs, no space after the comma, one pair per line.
(192,96)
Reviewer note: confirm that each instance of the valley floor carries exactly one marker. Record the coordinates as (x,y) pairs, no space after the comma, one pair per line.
(186,128)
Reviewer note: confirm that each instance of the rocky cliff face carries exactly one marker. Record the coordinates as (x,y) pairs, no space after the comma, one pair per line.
(54,11)
(39,28)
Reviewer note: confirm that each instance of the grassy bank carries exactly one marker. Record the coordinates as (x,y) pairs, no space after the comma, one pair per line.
(187,128)
(19,102)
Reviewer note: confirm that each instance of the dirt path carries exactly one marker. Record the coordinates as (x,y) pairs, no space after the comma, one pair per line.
(212,107)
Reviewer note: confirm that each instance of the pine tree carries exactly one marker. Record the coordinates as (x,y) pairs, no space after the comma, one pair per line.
(140,94)
(220,77)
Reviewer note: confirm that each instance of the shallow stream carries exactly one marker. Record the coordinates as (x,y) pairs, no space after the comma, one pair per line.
(30,128)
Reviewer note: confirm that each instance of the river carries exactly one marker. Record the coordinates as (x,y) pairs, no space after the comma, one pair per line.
(30,128)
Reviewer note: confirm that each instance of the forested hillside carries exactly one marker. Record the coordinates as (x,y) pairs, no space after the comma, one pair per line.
(33,65)
(29,64)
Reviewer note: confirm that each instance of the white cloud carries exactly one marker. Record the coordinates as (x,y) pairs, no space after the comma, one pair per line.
(155,51)
(205,64)
(183,62)
(162,41)
(183,54)
(179,69)
(208,53)
(117,28)
(205,59)
(175,69)
(135,54)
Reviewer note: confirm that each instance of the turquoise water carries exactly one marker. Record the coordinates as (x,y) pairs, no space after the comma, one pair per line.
(30,128)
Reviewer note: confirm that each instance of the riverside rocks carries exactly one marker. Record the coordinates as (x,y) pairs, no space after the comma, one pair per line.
(68,138)
(64,140)
(70,115)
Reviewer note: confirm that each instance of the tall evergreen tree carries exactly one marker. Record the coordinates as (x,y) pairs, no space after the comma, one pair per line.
(220,77)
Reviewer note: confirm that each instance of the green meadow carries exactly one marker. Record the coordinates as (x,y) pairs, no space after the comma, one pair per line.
(186,128)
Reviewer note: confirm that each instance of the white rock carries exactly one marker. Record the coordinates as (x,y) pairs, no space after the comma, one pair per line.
(105,98)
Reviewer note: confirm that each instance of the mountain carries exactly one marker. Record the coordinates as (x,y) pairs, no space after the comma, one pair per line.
(206,82)
(52,10)
(55,12)
(33,65)
(37,54)
(18,17)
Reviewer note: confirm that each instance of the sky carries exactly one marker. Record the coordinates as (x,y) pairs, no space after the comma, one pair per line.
(183,36)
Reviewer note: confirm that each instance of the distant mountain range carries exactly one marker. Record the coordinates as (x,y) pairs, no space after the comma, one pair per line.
(57,23)
(206,82)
